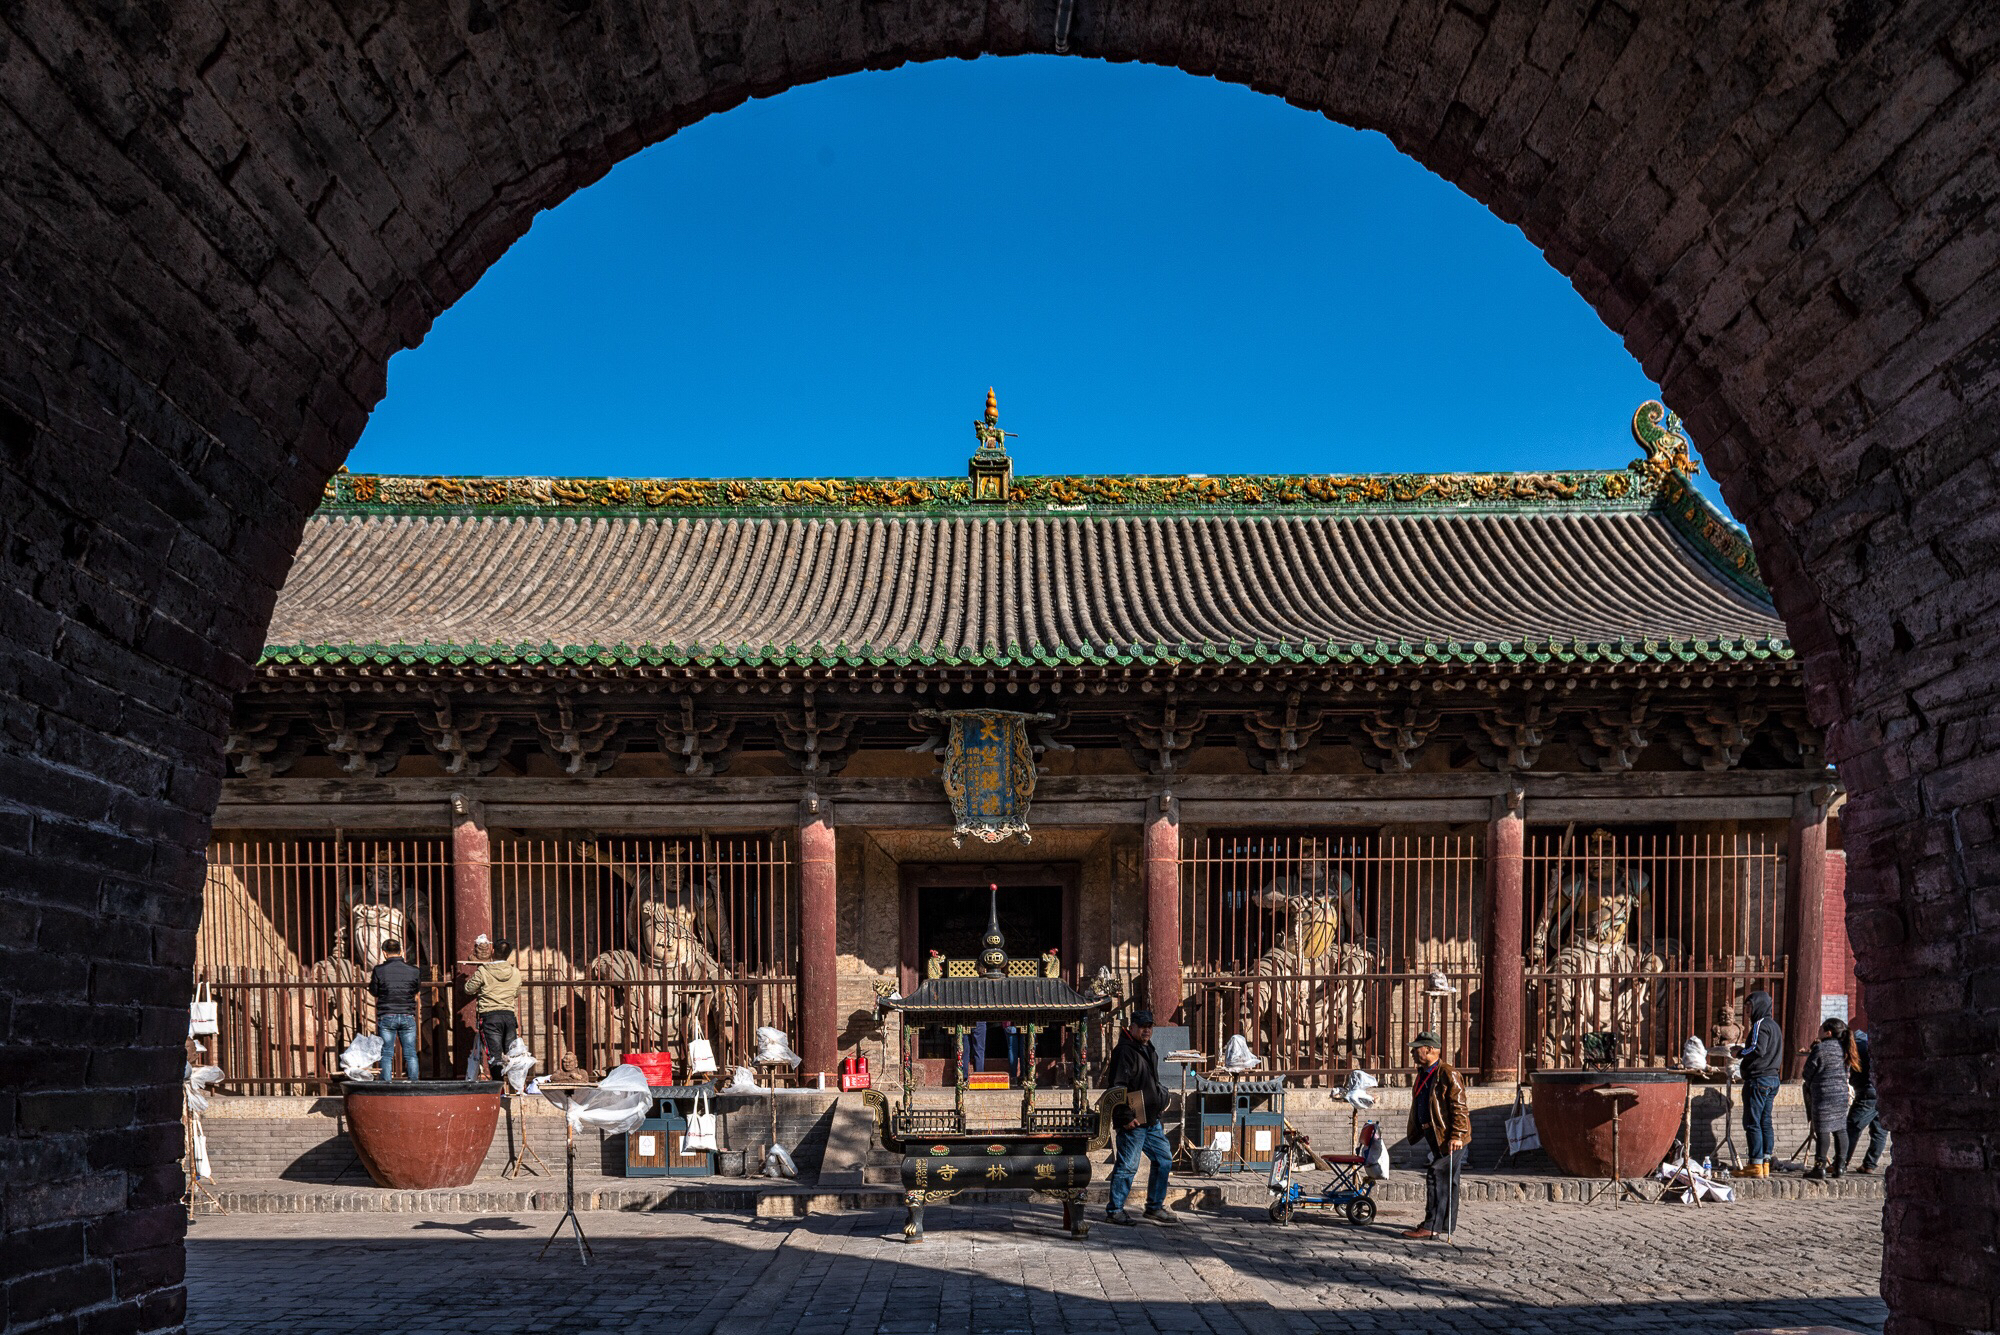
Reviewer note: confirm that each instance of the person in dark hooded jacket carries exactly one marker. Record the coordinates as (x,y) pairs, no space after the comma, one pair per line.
(1763,1058)
(1862,1114)
(1829,1067)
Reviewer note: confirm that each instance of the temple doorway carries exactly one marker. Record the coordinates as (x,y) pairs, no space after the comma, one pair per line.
(945,908)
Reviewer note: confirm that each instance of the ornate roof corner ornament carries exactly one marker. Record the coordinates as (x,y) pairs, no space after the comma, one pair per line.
(585,743)
(703,743)
(1661,436)
(1279,741)
(991,471)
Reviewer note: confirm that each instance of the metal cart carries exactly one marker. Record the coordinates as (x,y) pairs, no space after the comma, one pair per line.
(1349,1191)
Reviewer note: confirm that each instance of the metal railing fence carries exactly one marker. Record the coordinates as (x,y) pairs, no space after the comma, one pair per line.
(1332,949)
(1635,942)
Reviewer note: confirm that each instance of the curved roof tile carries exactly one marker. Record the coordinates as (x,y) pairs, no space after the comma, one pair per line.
(928,585)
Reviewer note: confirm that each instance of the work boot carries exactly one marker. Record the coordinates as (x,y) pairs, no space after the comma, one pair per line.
(1161,1216)
(1120,1217)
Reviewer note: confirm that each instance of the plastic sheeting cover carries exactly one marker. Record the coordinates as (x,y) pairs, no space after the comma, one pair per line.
(364,1052)
(616,1105)
(773,1046)
(1236,1055)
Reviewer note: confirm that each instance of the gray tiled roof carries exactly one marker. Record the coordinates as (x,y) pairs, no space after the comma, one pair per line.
(951,583)
(952,999)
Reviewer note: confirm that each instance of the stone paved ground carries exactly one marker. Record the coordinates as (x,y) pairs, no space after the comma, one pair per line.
(1535,1267)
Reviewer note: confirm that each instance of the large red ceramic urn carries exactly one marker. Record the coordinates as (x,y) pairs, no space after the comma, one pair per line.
(421,1134)
(1573,1114)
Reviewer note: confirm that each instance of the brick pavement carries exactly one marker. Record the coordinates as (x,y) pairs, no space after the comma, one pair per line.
(1535,1267)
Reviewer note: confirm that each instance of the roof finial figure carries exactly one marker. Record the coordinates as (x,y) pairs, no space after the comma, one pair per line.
(991,471)
(1661,435)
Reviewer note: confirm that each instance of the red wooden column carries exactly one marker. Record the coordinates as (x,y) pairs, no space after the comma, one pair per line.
(1805,911)
(1505,834)
(1163,907)
(819,996)
(471,908)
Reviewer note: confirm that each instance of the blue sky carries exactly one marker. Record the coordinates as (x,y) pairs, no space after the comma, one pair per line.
(1159,274)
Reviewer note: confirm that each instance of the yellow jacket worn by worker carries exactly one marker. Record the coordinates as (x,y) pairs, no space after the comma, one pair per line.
(495,983)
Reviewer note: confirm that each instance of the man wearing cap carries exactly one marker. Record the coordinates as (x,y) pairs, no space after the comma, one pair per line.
(1442,1117)
(1135,1067)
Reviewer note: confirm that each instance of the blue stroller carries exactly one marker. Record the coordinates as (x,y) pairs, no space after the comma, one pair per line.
(1351,1190)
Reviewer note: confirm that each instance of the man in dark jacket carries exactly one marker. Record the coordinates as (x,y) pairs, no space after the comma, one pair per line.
(394,985)
(1135,1067)
(1862,1113)
(1763,1059)
(1441,1117)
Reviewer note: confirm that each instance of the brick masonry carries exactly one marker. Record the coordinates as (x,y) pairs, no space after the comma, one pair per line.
(218,223)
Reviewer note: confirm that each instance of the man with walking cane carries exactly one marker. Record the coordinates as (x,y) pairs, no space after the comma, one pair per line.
(1441,1115)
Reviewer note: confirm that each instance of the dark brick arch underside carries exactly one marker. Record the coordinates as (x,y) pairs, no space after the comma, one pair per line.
(220,220)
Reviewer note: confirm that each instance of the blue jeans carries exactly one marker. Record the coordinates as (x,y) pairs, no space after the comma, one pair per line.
(1017,1048)
(1863,1115)
(1151,1142)
(394,1030)
(1759,1137)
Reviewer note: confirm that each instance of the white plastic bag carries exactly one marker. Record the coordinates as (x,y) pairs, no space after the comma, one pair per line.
(1375,1159)
(520,1062)
(773,1046)
(743,1082)
(1236,1055)
(1355,1091)
(1522,1134)
(202,1016)
(701,1057)
(364,1052)
(701,1126)
(198,1079)
(203,1170)
(1694,1055)
(778,1163)
(616,1106)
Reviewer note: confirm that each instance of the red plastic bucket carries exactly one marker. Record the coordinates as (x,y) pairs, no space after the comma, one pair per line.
(658,1066)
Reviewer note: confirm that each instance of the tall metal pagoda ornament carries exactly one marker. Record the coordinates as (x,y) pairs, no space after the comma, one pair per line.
(989,771)
(1045,1146)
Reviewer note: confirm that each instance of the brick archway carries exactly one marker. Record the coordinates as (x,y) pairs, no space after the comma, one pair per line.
(215,230)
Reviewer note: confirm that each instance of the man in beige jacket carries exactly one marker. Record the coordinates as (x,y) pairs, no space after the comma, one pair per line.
(494,985)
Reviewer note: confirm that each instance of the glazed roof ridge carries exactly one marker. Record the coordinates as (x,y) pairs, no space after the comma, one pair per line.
(392,494)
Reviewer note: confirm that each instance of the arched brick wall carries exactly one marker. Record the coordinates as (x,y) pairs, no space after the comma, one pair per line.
(219,221)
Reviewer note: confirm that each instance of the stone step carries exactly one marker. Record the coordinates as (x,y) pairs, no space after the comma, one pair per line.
(786,1200)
